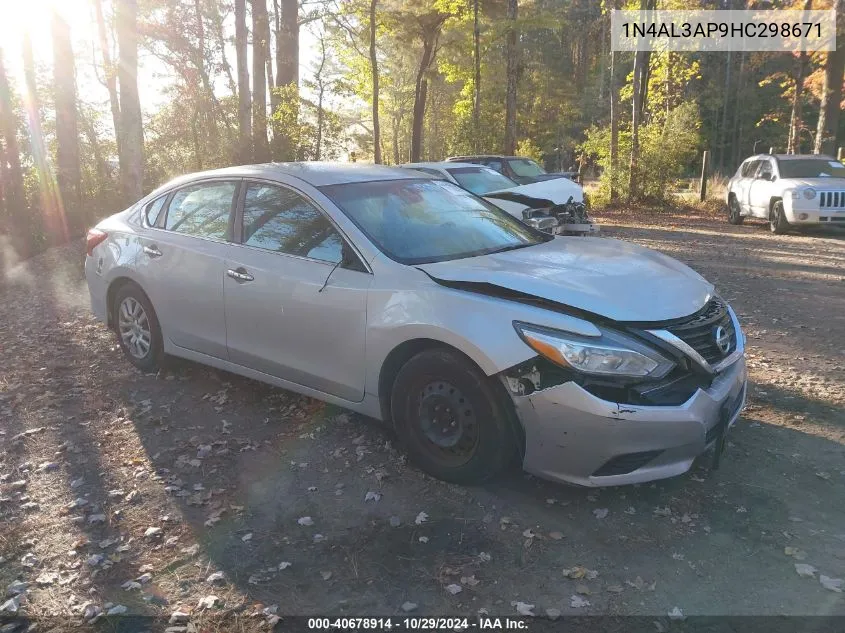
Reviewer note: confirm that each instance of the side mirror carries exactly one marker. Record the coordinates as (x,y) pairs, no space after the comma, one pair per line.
(766,175)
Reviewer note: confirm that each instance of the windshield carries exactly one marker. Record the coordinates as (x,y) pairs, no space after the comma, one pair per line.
(811,168)
(525,167)
(425,221)
(480,180)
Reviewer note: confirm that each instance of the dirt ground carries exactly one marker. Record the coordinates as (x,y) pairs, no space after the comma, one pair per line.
(198,492)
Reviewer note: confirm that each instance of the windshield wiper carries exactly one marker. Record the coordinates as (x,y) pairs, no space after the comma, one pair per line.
(512,247)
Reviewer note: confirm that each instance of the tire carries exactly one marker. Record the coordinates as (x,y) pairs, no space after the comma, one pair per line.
(734,211)
(428,391)
(135,320)
(778,223)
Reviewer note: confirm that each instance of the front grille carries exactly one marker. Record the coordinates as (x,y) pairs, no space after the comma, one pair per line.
(832,199)
(624,464)
(699,331)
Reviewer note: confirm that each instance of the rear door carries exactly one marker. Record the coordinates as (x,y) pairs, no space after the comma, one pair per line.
(296,307)
(182,264)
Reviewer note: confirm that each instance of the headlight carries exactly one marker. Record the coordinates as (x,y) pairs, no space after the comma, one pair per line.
(545,224)
(611,354)
(809,193)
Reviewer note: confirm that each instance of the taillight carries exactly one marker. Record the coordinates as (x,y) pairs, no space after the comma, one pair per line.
(95,236)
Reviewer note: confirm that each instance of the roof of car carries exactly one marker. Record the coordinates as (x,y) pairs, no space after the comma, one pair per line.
(791,156)
(441,164)
(474,156)
(314,173)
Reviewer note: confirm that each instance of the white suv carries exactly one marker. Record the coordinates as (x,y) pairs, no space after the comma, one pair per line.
(788,190)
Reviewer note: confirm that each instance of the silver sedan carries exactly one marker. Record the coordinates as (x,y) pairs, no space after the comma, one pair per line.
(479,339)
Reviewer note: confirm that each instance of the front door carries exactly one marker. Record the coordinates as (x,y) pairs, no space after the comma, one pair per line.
(292,311)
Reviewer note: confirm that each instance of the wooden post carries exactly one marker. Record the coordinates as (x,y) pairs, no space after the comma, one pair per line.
(702,188)
(840,153)
(771,150)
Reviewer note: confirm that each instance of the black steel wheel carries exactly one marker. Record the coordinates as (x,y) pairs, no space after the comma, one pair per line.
(453,420)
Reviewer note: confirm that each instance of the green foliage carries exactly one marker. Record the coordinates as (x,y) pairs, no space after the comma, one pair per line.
(668,151)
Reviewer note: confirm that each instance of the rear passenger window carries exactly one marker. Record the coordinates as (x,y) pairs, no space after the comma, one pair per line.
(202,210)
(153,210)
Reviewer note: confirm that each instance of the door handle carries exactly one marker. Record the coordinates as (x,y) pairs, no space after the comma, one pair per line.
(240,275)
(153,251)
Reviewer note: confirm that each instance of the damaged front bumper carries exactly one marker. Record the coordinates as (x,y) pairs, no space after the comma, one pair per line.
(575,437)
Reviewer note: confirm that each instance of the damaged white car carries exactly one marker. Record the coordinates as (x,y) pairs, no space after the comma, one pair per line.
(481,340)
(554,206)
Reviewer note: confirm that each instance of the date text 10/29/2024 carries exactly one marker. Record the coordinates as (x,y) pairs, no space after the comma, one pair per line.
(417,624)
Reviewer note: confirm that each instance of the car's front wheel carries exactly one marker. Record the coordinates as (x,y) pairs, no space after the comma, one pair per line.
(138,331)
(778,223)
(734,213)
(451,418)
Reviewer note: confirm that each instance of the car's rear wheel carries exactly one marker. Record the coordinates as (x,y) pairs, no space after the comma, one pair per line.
(138,331)
(734,212)
(451,418)
(778,223)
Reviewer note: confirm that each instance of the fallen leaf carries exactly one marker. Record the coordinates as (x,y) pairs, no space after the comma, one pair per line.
(470,581)
(454,589)
(247,537)
(217,576)
(326,575)
(577,602)
(523,608)
(555,535)
(407,607)
(676,614)
(305,521)
(600,513)
(372,496)
(796,553)
(805,571)
(832,584)
(284,565)
(422,517)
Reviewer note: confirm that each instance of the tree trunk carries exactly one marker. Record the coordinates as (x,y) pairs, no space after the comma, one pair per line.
(131,125)
(99,160)
(13,189)
(374,71)
(512,69)
(793,144)
(109,71)
(68,172)
(639,60)
(476,87)
(287,45)
(639,82)
(50,211)
(826,135)
(420,94)
(244,149)
(287,69)
(614,123)
(259,81)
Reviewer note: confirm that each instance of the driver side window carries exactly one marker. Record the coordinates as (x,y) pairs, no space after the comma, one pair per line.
(279,219)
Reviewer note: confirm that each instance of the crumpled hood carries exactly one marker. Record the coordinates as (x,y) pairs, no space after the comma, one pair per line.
(557,190)
(612,278)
